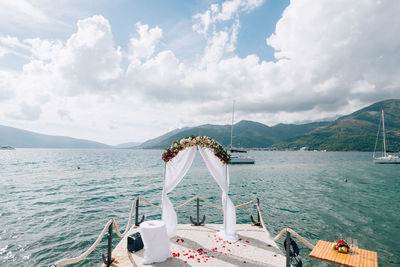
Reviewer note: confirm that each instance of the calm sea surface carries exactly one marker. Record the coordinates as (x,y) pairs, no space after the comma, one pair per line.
(51,210)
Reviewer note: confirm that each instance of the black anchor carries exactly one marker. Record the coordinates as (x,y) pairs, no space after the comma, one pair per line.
(198,223)
(258,222)
(137,222)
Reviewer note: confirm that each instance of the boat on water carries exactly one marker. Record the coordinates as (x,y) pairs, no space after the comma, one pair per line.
(238,155)
(387,158)
(198,243)
(240,159)
(6,148)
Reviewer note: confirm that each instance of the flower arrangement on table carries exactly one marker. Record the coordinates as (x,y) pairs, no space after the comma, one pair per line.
(341,246)
(203,141)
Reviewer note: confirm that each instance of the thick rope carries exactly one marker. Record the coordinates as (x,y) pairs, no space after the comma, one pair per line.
(245,204)
(130,215)
(195,198)
(210,203)
(186,203)
(117,230)
(87,252)
(285,230)
(299,237)
(64,262)
(151,204)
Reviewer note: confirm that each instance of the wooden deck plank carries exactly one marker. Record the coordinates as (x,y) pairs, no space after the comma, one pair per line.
(352,260)
(316,253)
(359,257)
(330,254)
(255,248)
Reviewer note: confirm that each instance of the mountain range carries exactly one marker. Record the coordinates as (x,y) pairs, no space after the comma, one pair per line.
(26,139)
(353,132)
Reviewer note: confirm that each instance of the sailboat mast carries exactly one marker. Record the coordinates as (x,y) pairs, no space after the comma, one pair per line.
(383,131)
(233,115)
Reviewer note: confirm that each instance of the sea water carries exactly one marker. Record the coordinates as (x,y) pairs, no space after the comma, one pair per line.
(55,202)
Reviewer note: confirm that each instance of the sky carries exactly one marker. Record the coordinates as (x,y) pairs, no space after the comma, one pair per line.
(127,71)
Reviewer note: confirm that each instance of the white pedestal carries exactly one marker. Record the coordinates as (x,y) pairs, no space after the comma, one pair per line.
(156,241)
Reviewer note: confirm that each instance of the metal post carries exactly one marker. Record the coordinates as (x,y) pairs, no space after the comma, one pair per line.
(287,249)
(258,222)
(137,212)
(109,261)
(198,209)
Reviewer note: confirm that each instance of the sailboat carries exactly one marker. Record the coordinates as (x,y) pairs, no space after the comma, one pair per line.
(386,158)
(238,155)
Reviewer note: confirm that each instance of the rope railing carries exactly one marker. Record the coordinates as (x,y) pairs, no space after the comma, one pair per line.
(299,237)
(195,198)
(246,204)
(134,205)
(149,203)
(83,256)
(284,231)
(112,222)
(287,243)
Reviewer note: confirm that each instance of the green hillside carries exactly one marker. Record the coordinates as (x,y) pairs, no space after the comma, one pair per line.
(356,131)
(247,134)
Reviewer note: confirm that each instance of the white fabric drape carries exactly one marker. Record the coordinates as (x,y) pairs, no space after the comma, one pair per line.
(177,168)
(221,174)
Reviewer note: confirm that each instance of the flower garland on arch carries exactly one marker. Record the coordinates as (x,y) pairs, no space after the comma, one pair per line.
(203,141)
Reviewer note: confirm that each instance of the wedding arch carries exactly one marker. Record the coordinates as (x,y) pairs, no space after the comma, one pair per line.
(178,159)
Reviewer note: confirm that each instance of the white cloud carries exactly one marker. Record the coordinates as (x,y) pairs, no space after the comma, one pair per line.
(216,48)
(87,62)
(333,57)
(338,40)
(26,112)
(228,10)
(21,11)
(144,46)
(63,114)
(7,80)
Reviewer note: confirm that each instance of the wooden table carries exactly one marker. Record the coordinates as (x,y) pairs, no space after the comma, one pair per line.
(361,257)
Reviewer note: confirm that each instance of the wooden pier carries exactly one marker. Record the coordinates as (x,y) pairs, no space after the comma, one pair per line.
(200,245)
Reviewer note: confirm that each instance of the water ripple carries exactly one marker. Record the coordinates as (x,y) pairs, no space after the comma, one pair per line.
(53,210)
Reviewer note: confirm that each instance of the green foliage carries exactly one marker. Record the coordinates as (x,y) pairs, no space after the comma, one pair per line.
(353,132)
